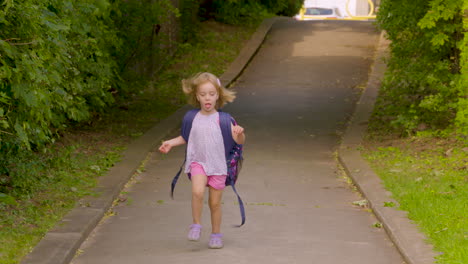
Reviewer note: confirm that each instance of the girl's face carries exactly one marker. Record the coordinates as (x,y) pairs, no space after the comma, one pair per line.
(207,95)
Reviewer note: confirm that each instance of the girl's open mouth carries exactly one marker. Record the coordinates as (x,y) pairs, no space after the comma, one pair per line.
(207,105)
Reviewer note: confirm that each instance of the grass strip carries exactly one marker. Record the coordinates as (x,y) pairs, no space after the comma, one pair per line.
(428,176)
(84,153)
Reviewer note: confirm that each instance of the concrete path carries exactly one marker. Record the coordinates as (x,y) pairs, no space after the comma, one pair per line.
(293,100)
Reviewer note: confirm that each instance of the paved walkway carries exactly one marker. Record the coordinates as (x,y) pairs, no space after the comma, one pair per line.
(293,100)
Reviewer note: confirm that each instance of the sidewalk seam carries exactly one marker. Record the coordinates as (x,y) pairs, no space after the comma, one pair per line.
(60,244)
(404,234)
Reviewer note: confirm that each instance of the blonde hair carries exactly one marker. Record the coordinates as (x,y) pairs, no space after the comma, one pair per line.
(190,86)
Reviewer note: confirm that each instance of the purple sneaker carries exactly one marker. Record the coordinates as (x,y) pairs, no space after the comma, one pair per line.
(216,241)
(194,232)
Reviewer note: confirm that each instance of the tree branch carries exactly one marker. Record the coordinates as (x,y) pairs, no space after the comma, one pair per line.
(1,131)
(20,44)
(17,44)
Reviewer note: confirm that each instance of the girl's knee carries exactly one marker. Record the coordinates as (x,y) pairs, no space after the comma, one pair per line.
(214,202)
(198,194)
(215,205)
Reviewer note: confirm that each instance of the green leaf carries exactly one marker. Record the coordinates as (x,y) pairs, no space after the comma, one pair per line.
(439,39)
(7,48)
(24,93)
(4,98)
(4,124)
(21,133)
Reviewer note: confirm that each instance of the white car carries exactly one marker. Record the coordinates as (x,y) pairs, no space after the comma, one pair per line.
(314,13)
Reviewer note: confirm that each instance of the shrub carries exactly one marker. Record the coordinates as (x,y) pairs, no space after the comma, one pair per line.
(61,64)
(249,11)
(189,10)
(145,46)
(283,7)
(420,88)
(55,66)
(461,120)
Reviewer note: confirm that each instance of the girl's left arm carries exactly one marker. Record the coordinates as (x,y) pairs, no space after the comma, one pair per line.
(238,134)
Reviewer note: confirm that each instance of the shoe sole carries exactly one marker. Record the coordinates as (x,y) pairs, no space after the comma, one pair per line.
(215,247)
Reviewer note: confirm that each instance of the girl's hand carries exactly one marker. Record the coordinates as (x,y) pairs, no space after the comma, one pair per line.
(165,147)
(237,130)
(238,134)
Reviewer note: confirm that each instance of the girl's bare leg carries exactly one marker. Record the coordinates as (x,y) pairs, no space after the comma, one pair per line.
(215,208)
(198,190)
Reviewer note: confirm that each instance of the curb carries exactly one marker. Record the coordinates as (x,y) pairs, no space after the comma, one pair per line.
(60,244)
(404,234)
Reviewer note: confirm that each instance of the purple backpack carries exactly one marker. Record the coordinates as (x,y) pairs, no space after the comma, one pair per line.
(233,152)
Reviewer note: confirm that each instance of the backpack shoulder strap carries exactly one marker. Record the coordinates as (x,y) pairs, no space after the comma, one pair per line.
(225,121)
(187,123)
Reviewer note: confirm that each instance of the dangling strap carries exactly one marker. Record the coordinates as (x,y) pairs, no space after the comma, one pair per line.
(241,206)
(174,181)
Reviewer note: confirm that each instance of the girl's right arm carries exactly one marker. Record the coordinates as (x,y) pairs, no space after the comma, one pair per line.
(167,145)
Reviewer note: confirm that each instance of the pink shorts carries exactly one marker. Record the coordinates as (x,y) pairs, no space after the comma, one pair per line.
(216,181)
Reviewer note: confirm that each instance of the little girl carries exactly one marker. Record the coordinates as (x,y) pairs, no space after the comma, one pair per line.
(205,158)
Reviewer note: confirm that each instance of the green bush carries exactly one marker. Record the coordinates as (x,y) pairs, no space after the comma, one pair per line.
(20,171)
(55,66)
(62,63)
(462,114)
(421,89)
(144,46)
(283,7)
(238,12)
(189,10)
